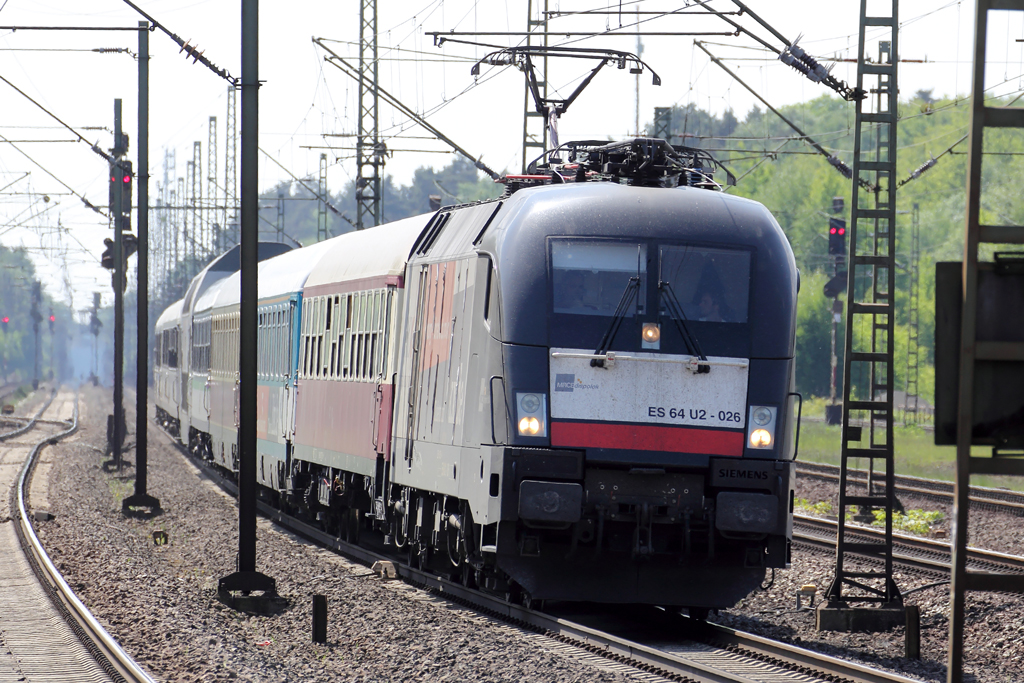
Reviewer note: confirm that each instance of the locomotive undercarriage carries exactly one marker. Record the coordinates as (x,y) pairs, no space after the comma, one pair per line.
(631,542)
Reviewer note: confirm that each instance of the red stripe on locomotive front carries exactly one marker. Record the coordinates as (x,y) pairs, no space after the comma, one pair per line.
(646,438)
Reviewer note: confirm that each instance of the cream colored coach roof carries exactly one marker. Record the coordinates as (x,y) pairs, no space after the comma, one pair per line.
(208,299)
(374,252)
(287,273)
(279,275)
(170,316)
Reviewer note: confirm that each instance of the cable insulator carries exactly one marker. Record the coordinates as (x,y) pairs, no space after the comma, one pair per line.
(923,167)
(791,60)
(815,66)
(841,166)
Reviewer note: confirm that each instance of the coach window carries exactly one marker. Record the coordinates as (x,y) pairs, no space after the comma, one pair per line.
(275,344)
(310,324)
(332,337)
(304,350)
(279,355)
(368,349)
(339,337)
(347,332)
(353,361)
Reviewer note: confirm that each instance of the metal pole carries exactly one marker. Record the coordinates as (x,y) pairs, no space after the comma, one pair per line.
(250,263)
(116,433)
(247,579)
(141,499)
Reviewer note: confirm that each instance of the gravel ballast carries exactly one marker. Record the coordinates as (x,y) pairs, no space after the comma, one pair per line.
(160,601)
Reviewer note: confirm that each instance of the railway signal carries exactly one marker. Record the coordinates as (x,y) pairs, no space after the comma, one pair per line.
(107,258)
(836,286)
(836,237)
(126,175)
(53,319)
(5,321)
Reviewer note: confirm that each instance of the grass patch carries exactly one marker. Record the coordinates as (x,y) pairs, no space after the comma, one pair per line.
(913,522)
(820,509)
(915,449)
(120,490)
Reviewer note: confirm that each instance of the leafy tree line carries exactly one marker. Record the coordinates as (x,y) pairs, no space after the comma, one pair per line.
(456,183)
(17,338)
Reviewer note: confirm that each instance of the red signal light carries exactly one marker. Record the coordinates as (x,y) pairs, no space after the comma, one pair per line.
(127,179)
(832,231)
(6,319)
(53,318)
(842,231)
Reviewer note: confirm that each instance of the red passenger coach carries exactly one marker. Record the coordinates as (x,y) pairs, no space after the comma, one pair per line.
(345,361)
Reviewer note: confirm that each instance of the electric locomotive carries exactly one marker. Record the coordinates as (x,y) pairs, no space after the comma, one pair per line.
(595,395)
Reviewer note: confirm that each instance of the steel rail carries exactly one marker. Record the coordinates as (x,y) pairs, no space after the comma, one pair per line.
(106,648)
(800,657)
(1012,501)
(623,650)
(31,421)
(979,558)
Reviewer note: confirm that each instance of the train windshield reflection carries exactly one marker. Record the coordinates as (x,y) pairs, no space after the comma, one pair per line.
(712,285)
(589,277)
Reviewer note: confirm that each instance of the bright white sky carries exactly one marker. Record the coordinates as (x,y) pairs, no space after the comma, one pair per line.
(304,98)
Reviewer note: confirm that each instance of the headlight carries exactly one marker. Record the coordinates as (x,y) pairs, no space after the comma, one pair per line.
(529,426)
(761,427)
(650,336)
(532,413)
(760,438)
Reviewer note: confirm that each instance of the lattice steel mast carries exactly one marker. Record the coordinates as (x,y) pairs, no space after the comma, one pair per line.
(870,318)
(230,175)
(910,399)
(211,187)
(321,214)
(198,227)
(535,124)
(370,151)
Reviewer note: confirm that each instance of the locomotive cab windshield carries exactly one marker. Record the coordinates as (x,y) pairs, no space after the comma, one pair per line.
(707,287)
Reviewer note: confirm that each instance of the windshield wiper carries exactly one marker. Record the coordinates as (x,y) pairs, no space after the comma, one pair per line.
(632,287)
(675,311)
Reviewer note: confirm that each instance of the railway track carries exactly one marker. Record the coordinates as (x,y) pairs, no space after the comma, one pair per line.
(1002,500)
(919,553)
(48,633)
(681,650)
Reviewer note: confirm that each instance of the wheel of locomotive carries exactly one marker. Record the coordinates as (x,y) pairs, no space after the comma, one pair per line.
(350,526)
(412,554)
(468,575)
(529,602)
(699,613)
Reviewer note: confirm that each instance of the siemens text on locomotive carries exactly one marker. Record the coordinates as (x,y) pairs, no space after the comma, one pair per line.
(582,390)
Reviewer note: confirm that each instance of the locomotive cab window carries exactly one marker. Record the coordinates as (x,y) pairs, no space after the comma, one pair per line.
(711,285)
(591,277)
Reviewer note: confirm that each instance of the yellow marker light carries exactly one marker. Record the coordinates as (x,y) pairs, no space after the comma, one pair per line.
(760,438)
(529,425)
(651,332)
